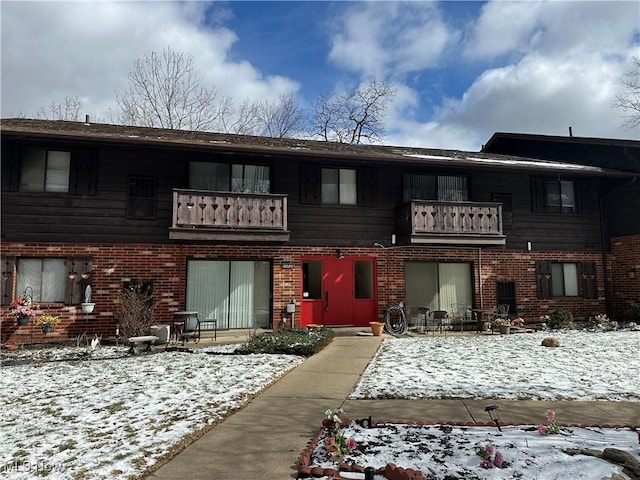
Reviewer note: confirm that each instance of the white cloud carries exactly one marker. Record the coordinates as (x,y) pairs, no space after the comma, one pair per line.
(388,39)
(55,49)
(552,28)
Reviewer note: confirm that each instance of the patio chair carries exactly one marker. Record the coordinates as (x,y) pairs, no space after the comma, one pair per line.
(459,314)
(436,320)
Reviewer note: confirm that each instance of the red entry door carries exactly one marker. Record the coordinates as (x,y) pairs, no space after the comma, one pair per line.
(337,291)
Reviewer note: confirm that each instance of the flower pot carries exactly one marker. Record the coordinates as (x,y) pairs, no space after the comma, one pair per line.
(87,307)
(376,328)
(504,329)
(23,319)
(47,328)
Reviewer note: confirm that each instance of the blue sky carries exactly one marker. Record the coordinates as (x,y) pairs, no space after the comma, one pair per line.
(461,70)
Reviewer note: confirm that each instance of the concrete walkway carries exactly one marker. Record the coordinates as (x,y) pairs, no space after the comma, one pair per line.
(264,440)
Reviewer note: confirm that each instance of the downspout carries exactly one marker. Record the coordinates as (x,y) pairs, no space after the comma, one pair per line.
(603,237)
(480,277)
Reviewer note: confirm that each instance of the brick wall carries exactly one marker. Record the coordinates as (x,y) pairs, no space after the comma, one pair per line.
(166,265)
(622,290)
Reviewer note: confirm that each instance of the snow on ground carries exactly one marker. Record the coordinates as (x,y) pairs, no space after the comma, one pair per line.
(586,366)
(449,452)
(114,416)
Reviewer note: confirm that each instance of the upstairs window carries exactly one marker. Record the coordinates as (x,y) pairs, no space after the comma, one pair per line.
(444,188)
(339,186)
(560,196)
(45,171)
(141,199)
(223,177)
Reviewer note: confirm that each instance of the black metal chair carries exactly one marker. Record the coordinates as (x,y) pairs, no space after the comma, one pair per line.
(436,320)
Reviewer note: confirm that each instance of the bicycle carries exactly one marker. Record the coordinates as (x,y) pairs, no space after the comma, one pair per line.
(395,321)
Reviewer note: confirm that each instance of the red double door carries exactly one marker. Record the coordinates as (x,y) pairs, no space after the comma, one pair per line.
(339,291)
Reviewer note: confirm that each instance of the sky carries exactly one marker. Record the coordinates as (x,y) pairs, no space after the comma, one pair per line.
(461,70)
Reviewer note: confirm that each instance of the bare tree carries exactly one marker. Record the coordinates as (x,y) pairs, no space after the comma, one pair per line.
(629,102)
(354,117)
(68,109)
(165,91)
(281,118)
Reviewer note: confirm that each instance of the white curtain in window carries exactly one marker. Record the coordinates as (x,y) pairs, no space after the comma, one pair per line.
(455,284)
(208,290)
(452,188)
(58,165)
(421,280)
(241,295)
(254,179)
(330,181)
(348,193)
(570,274)
(567,196)
(46,277)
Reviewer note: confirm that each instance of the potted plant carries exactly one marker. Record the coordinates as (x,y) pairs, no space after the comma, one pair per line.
(23,307)
(47,322)
(503,324)
(87,306)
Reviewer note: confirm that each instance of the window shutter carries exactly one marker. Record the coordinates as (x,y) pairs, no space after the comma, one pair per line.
(10,168)
(366,186)
(586,194)
(543,279)
(310,184)
(538,194)
(8,271)
(83,173)
(589,280)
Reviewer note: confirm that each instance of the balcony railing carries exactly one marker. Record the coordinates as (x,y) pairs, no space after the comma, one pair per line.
(468,223)
(206,215)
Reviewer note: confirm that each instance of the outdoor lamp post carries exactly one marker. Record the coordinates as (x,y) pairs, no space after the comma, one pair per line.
(492,410)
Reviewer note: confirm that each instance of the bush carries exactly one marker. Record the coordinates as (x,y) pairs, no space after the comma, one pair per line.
(135,309)
(635,312)
(560,319)
(296,341)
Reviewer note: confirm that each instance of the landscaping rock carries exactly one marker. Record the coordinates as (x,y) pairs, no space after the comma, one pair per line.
(551,342)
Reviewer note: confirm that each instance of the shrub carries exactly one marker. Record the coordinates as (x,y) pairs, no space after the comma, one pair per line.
(135,309)
(296,341)
(560,319)
(635,312)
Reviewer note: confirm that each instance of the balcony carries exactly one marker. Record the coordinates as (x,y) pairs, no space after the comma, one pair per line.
(450,223)
(225,216)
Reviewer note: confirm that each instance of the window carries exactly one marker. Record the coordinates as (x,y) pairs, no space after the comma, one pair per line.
(437,285)
(560,196)
(224,177)
(507,208)
(46,276)
(45,171)
(566,279)
(339,186)
(445,188)
(312,279)
(363,281)
(141,200)
(237,294)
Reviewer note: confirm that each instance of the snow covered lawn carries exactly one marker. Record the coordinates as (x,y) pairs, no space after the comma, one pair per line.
(116,417)
(586,366)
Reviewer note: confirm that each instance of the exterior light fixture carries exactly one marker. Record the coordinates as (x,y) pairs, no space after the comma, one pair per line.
(492,410)
(339,254)
(632,273)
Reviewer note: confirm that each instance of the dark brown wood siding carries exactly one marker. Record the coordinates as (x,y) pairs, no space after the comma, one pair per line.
(97,211)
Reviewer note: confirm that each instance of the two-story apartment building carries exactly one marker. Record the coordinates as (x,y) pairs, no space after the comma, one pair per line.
(237,228)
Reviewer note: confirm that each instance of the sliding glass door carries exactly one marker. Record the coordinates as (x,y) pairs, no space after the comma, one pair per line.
(437,285)
(235,293)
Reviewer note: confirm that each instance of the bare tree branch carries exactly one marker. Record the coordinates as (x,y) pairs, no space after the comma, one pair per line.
(165,91)
(68,109)
(353,117)
(629,102)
